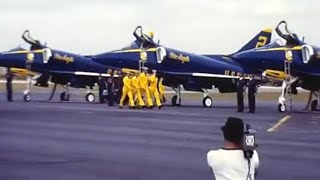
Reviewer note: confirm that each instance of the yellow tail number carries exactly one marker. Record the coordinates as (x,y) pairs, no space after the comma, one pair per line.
(262,41)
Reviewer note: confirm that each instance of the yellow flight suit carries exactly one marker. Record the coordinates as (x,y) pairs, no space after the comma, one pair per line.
(144,88)
(154,89)
(161,90)
(136,91)
(127,91)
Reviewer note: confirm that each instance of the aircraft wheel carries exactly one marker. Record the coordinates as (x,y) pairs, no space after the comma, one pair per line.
(27,98)
(282,107)
(90,97)
(64,96)
(207,102)
(314,105)
(175,101)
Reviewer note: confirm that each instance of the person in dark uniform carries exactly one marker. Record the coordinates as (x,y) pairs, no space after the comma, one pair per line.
(252,90)
(102,88)
(241,89)
(110,90)
(117,80)
(9,77)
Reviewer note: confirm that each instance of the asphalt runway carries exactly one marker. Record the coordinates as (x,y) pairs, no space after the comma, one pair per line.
(81,141)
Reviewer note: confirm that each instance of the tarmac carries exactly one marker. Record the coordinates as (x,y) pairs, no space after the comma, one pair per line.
(81,141)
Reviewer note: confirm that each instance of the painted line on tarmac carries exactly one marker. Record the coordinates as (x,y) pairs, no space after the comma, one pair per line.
(279,123)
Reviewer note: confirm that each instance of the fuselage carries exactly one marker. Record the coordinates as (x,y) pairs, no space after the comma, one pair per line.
(50,60)
(273,56)
(173,61)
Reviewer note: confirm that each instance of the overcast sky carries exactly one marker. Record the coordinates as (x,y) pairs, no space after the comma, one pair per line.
(200,26)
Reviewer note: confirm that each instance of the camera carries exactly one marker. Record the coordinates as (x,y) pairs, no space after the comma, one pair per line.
(249,142)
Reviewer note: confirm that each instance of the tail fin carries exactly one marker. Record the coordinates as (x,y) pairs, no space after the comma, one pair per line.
(261,39)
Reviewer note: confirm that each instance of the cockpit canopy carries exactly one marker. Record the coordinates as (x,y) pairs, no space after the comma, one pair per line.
(143,40)
(35,44)
(291,38)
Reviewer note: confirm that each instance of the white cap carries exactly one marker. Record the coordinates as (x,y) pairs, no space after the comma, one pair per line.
(144,68)
(154,71)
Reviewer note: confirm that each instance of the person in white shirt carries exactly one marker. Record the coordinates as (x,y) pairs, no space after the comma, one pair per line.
(229,163)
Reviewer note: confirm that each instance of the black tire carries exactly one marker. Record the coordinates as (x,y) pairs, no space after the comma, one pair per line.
(282,108)
(314,105)
(27,98)
(90,97)
(175,101)
(207,102)
(64,96)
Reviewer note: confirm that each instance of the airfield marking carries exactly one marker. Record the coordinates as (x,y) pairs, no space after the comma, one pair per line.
(279,123)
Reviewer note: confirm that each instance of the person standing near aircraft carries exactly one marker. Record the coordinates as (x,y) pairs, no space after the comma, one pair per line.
(9,77)
(136,92)
(102,89)
(154,89)
(144,86)
(118,84)
(110,90)
(240,93)
(161,90)
(127,91)
(252,90)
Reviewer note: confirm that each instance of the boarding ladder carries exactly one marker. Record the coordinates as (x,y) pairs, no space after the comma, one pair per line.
(141,64)
(287,71)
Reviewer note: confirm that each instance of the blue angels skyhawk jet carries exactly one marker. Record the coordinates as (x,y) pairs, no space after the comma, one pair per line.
(296,62)
(59,67)
(194,72)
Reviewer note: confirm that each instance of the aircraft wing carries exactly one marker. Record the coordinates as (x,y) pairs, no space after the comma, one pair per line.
(204,75)
(83,73)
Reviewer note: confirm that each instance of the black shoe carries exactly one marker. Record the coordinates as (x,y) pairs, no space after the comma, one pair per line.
(240,111)
(159,107)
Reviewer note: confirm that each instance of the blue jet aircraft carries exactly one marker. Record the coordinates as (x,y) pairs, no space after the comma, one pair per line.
(299,60)
(59,67)
(194,72)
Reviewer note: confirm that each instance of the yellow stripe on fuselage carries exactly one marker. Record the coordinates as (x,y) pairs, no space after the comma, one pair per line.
(282,49)
(137,50)
(25,51)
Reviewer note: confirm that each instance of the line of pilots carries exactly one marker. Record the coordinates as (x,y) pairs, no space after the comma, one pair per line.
(138,89)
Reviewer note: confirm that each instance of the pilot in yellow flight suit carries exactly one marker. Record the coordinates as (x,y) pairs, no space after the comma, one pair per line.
(154,89)
(144,87)
(127,91)
(136,91)
(161,88)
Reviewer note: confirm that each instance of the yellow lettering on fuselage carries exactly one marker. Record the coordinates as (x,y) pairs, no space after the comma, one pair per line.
(64,58)
(233,73)
(179,57)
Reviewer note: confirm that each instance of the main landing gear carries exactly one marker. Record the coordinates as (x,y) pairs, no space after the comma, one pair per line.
(176,99)
(313,104)
(286,85)
(207,100)
(27,92)
(90,97)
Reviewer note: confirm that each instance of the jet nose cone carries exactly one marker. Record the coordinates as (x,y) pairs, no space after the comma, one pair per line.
(13,59)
